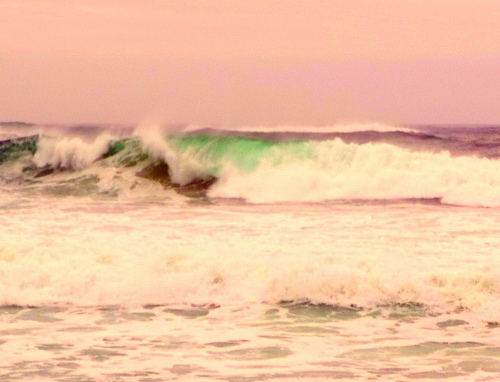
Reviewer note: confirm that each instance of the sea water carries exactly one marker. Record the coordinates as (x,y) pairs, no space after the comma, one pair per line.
(249,254)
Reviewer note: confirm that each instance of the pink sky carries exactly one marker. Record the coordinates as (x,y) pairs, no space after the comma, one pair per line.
(258,61)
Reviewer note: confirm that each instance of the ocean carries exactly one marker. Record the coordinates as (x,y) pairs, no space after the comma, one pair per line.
(288,253)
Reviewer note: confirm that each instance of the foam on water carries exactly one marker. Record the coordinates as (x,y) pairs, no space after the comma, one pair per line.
(372,171)
(117,254)
(109,272)
(126,290)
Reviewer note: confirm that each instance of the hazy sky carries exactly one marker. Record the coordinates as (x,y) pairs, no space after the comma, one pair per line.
(250,62)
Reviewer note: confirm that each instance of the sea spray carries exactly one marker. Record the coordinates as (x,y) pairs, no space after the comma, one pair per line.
(70,152)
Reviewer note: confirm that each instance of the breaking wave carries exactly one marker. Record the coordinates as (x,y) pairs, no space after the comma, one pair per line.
(269,167)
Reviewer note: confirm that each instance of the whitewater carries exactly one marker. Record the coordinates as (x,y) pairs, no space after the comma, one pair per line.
(249,253)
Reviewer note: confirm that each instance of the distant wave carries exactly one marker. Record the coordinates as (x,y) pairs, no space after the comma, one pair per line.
(341,128)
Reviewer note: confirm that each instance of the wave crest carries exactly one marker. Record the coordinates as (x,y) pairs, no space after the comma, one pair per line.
(70,153)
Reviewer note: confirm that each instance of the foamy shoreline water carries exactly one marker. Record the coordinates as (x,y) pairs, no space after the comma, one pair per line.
(169,291)
(107,274)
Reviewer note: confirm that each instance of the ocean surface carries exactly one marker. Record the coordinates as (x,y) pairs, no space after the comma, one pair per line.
(288,253)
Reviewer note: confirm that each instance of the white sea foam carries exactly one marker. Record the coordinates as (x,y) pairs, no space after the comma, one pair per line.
(118,254)
(183,168)
(368,171)
(70,152)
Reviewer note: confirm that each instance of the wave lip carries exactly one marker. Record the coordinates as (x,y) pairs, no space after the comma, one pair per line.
(70,153)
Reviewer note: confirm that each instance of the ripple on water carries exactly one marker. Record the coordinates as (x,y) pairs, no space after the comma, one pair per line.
(253,354)
(100,354)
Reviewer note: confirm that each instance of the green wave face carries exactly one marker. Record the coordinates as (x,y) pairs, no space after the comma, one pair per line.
(243,153)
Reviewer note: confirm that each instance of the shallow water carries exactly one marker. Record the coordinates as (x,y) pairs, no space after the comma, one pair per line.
(249,344)
(143,291)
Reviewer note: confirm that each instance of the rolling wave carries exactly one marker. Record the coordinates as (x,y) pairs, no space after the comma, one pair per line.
(268,167)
